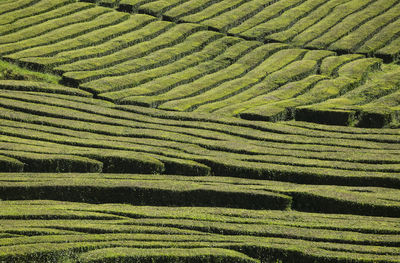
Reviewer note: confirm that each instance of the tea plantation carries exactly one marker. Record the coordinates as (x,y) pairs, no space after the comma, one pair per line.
(200,131)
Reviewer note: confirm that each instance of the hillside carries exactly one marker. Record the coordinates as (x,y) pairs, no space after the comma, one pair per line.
(199,131)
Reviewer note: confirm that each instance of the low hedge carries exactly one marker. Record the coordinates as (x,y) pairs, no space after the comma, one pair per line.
(172,255)
(8,164)
(35,162)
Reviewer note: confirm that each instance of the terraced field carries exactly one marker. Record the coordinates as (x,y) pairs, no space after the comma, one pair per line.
(126,233)
(139,60)
(197,131)
(349,26)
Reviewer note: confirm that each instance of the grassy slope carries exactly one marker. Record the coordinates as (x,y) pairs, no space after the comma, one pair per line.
(138,60)
(9,71)
(110,232)
(307,171)
(342,25)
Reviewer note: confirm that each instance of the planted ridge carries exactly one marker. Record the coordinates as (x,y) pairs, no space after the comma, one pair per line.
(136,233)
(172,190)
(132,59)
(126,140)
(343,25)
(195,131)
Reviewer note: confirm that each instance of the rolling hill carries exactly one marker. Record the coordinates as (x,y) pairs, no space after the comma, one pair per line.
(199,131)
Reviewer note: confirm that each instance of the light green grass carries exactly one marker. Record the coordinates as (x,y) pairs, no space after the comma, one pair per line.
(172,190)
(9,71)
(49,231)
(98,19)
(166,145)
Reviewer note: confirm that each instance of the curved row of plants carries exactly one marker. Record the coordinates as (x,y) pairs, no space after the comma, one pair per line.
(38,231)
(137,59)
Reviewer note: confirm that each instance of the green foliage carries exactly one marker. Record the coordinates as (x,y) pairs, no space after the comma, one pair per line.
(40,7)
(367,27)
(133,59)
(108,232)
(9,71)
(36,86)
(150,142)
(208,174)
(178,255)
(55,30)
(194,42)
(8,164)
(167,190)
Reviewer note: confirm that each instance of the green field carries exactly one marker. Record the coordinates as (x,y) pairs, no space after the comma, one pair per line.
(136,59)
(200,131)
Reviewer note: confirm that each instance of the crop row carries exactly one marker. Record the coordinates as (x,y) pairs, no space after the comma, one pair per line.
(33,86)
(36,9)
(49,152)
(133,59)
(215,122)
(87,174)
(217,143)
(41,18)
(10,6)
(49,230)
(101,18)
(175,150)
(369,27)
(101,112)
(98,36)
(64,132)
(171,190)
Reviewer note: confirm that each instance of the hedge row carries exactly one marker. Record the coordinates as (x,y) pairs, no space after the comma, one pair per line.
(353,107)
(150,41)
(123,254)
(41,18)
(116,139)
(79,159)
(8,164)
(132,59)
(125,232)
(167,190)
(159,190)
(290,251)
(273,59)
(219,123)
(240,165)
(111,118)
(19,85)
(34,162)
(98,20)
(276,17)
(193,43)
(337,14)
(249,98)
(351,26)
(364,39)
(101,114)
(140,31)
(35,9)
(164,83)
(339,31)
(93,38)
(175,162)
(217,8)
(191,7)
(350,76)
(48,29)
(9,7)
